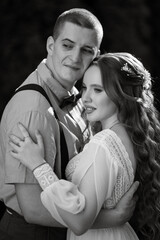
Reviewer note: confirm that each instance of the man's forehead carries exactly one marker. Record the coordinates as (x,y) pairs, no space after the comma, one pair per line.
(78,35)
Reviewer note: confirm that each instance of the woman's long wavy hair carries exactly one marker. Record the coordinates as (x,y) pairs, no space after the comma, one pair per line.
(128,84)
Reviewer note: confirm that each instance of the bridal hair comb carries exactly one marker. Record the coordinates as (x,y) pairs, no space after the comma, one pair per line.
(127,69)
(143,75)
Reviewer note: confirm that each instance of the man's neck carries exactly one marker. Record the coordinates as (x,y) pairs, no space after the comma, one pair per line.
(68,87)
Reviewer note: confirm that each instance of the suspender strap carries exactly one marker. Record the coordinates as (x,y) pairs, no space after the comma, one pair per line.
(34,87)
(63,144)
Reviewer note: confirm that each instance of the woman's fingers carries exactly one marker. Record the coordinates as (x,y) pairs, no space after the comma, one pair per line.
(24,132)
(15,147)
(14,154)
(39,139)
(16,140)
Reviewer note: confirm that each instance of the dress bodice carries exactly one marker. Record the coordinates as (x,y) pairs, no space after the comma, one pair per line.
(109,140)
(110,174)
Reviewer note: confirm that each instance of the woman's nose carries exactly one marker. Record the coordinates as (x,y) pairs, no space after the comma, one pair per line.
(86,96)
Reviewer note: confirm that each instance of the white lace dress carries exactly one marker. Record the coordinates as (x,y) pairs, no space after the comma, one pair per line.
(113,175)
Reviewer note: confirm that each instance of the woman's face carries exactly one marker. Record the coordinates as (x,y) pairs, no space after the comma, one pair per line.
(98,106)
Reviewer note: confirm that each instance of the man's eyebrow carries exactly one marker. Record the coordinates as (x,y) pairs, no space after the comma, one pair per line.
(87,46)
(67,39)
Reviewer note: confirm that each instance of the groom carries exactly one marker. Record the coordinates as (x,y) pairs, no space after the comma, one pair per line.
(76,40)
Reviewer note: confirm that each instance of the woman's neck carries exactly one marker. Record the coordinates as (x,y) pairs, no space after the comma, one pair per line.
(110,122)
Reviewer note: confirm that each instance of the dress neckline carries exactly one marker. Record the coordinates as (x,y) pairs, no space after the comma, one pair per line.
(119,142)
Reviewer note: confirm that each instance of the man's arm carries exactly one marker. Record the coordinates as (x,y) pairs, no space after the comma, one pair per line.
(32,208)
(121,213)
(34,212)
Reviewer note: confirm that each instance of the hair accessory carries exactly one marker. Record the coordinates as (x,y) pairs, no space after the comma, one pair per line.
(127,69)
(147,80)
(140,73)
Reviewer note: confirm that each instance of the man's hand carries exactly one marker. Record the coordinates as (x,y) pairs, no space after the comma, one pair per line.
(121,213)
(126,205)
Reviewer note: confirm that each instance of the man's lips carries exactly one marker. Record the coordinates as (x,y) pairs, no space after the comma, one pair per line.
(75,68)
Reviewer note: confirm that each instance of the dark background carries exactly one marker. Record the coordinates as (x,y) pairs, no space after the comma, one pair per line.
(129,25)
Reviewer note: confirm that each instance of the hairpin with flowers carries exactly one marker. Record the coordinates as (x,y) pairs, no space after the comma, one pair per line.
(143,75)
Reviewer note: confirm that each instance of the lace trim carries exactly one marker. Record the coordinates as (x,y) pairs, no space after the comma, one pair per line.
(109,139)
(71,166)
(45,175)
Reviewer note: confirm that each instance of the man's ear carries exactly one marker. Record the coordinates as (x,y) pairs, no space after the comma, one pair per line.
(98,53)
(50,45)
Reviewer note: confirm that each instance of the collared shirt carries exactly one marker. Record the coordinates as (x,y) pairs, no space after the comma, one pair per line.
(33,111)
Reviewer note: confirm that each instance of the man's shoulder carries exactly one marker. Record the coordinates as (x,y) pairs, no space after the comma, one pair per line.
(27,101)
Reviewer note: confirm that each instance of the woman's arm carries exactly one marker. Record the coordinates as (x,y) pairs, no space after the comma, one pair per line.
(96,177)
(35,159)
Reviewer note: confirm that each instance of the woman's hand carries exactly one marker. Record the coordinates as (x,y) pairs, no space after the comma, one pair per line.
(28,152)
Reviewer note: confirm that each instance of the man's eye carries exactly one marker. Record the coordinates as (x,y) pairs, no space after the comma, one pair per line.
(88,51)
(67,46)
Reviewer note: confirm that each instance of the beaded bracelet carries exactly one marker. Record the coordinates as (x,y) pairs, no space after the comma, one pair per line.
(45,175)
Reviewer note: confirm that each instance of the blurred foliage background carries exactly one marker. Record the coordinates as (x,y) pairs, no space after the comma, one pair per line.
(129,25)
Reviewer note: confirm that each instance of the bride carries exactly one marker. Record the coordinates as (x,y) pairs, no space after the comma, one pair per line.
(117,95)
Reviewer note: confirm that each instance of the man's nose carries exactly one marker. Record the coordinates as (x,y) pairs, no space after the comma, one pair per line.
(76,55)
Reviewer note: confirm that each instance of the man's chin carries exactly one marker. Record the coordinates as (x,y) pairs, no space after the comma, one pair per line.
(72,79)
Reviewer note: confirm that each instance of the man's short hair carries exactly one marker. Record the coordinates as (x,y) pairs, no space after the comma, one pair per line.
(80,17)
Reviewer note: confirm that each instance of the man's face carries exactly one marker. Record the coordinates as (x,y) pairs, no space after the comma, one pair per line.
(72,52)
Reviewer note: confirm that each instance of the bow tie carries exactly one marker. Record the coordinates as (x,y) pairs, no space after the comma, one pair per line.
(70,100)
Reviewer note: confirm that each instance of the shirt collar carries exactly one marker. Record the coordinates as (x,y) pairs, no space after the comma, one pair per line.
(59,91)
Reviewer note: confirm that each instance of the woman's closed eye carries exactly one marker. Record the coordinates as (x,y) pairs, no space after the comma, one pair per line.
(83,88)
(98,90)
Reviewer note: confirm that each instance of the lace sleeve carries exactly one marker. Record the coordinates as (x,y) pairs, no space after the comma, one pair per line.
(61,193)
(45,175)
